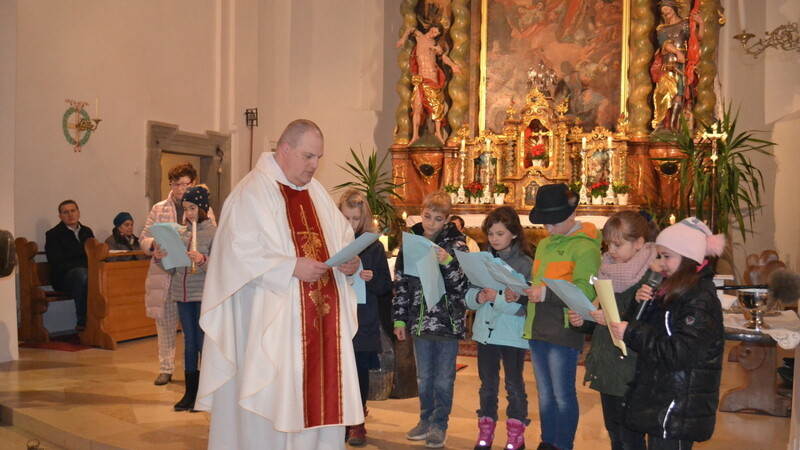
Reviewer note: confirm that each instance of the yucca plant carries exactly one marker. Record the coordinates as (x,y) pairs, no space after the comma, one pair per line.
(377,185)
(736,190)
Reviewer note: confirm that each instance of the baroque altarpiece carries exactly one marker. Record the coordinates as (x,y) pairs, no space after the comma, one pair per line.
(509,95)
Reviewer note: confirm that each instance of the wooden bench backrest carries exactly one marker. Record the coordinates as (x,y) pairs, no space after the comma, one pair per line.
(33,299)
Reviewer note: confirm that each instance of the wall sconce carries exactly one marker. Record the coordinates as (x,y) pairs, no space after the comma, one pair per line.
(77,125)
(251,117)
(785,37)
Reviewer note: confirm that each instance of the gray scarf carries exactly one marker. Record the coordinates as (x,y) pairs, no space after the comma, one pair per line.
(625,275)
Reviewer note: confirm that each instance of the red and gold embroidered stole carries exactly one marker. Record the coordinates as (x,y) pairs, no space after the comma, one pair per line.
(319,306)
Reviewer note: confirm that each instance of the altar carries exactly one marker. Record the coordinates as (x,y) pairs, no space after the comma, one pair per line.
(500,98)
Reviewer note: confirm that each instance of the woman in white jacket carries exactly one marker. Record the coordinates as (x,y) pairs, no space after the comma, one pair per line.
(157,285)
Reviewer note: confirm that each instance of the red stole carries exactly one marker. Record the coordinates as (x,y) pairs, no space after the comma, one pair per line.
(319,306)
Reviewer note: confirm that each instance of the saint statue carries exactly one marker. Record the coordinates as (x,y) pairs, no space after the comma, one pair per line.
(428,79)
(674,64)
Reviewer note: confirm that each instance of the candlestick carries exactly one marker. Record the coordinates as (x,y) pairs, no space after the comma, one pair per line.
(672,219)
(488,146)
(742,23)
(463,145)
(194,236)
(583,143)
(608,142)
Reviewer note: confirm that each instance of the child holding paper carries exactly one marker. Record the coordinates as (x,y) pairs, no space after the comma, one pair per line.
(378,283)
(631,252)
(572,253)
(437,330)
(497,329)
(680,341)
(186,288)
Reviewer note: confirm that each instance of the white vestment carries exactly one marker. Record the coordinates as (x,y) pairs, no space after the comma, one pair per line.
(252,367)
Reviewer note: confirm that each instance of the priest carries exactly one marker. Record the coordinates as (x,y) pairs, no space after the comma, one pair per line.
(278,368)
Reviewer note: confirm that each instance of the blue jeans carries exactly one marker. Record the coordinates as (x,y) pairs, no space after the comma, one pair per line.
(189,314)
(76,285)
(555,368)
(436,375)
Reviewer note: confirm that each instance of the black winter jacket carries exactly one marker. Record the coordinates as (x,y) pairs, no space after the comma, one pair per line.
(675,392)
(65,252)
(368,337)
(447,317)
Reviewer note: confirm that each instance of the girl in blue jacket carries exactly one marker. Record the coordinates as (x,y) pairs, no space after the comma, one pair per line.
(497,329)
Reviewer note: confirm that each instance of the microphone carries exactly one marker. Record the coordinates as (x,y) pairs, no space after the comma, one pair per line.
(653,280)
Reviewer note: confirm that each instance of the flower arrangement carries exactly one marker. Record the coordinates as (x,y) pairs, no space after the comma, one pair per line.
(500,188)
(575,187)
(450,188)
(538,151)
(622,188)
(474,189)
(599,189)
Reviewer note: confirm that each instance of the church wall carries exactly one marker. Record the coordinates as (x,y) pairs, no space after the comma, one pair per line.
(325,61)
(767,91)
(146,60)
(8,310)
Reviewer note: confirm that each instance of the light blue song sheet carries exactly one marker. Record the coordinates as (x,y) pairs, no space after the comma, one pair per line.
(419,256)
(352,250)
(572,296)
(360,286)
(507,276)
(167,237)
(474,267)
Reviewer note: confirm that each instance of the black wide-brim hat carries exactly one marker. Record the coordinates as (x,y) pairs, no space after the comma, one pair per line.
(552,204)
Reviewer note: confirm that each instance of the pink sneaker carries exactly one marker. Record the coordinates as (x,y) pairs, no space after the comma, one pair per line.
(485,433)
(516,435)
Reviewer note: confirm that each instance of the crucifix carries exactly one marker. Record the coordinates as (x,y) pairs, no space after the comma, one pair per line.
(714,137)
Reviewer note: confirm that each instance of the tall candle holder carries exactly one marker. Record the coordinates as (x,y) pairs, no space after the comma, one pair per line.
(584,197)
(611,197)
(487,189)
(461,197)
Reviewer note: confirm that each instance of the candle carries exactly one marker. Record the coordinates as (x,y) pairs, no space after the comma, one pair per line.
(608,142)
(583,143)
(96,108)
(194,236)
(375,222)
(672,219)
(405,216)
(742,23)
(463,145)
(488,146)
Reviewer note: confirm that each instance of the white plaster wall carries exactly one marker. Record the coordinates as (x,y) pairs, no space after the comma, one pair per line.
(8,305)
(144,60)
(766,91)
(324,61)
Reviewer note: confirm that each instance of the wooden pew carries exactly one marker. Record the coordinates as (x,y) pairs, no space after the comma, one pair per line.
(115,302)
(34,299)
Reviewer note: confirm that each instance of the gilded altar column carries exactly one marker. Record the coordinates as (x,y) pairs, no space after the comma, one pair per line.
(641,53)
(458,87)
(403,113)
(707,69)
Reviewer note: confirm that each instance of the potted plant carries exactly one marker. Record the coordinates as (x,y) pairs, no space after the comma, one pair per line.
(375,183)
(452,190)
(622,190)
(575,187)
(725,192)
(500,190)
(598,192)
(474,191)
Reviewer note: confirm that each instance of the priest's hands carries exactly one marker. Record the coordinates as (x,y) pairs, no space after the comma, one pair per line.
(349,267)
(310,270)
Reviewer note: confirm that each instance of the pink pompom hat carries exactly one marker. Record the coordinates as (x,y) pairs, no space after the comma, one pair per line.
(692,239)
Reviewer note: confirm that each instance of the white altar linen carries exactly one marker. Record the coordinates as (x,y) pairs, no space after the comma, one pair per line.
(784,328)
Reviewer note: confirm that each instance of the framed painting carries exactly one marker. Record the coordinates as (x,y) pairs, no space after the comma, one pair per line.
(567,48)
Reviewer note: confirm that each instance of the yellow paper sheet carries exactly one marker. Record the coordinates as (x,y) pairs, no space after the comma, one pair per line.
(605,293)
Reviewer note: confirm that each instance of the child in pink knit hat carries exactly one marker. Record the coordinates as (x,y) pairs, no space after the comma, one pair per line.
(680,342)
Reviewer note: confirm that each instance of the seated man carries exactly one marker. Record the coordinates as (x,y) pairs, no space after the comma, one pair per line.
(471,244)
(67,257)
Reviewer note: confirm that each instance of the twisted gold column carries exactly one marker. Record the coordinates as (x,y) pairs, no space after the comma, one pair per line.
(707,67)
(641,54)
(458,86)
(402,132)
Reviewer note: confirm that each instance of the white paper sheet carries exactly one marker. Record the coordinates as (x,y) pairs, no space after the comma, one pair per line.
(571,295)
(352,250)
(167,237)
(608,303)
(474,267)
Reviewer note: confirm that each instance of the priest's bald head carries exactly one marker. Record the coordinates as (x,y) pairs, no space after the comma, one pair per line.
(299,149)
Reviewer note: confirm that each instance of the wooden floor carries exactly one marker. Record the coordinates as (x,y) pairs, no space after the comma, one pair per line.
(97,399)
